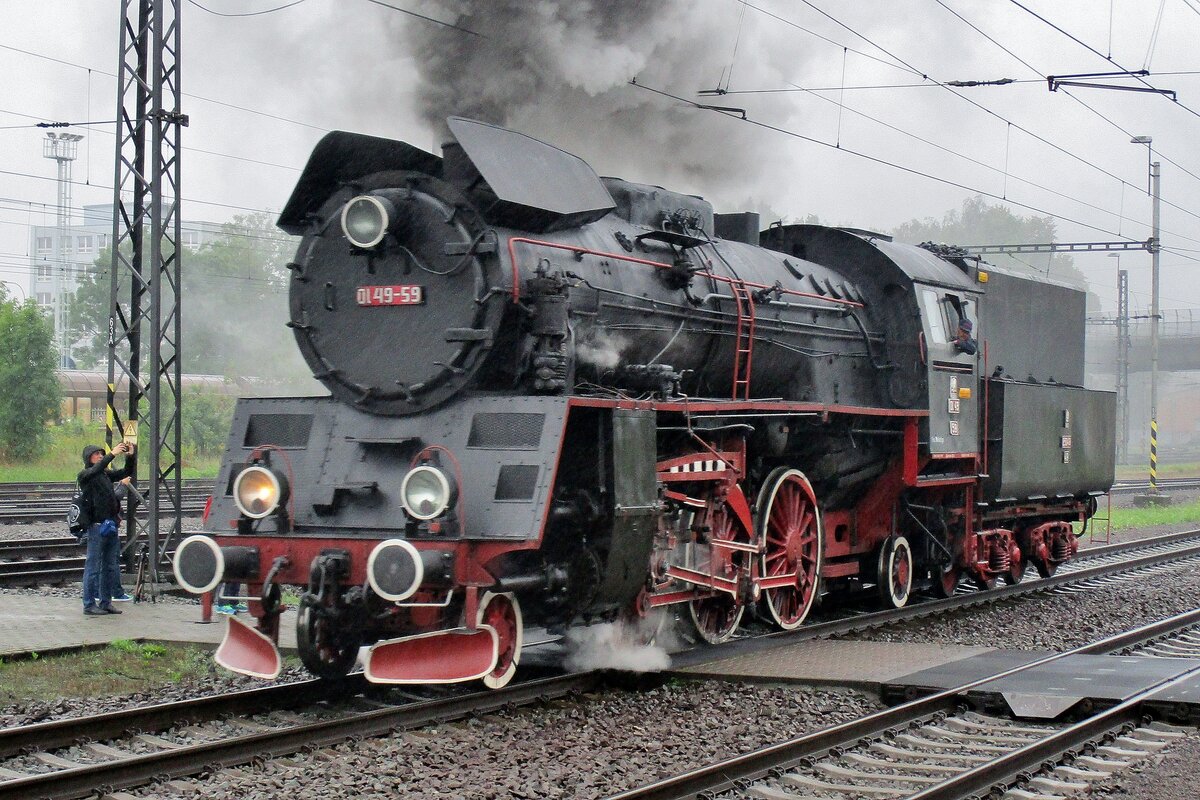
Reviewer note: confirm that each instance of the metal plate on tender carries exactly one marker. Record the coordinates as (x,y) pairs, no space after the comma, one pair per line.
(528,172)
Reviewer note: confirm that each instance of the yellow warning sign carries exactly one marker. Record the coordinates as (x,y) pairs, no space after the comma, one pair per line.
(130,434)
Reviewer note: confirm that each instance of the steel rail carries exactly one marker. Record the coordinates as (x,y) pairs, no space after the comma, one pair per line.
(44,487)
(854,624)
(49,547)
(193,506)
(1127,487)
(105,777)
(731,774)
(151,719)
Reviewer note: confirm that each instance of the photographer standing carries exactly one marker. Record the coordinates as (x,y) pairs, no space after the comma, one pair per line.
(103,535)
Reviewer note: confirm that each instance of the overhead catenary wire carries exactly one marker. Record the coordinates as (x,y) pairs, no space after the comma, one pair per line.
(190,95)
(1085,105)
(1162,5)
(877,160)
(428,19)
(1108,59)
(797,26)
(983,164)
(953,90)
(246,13)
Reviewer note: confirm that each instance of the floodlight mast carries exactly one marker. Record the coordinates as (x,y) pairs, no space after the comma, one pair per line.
(63,148)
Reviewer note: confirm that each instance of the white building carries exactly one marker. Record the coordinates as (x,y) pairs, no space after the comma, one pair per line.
(57,266)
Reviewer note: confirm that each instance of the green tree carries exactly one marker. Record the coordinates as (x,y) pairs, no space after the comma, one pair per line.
(28,359)
(233,296)
(205,418)
(979,222)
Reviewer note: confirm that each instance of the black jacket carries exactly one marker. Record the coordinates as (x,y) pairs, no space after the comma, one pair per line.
(97,484)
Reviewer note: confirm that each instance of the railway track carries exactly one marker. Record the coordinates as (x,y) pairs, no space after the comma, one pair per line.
(45,561)
(101,754)
(47,502)
(1164,484)
(33,562)
(74,758)
(1093,567)
(935,748)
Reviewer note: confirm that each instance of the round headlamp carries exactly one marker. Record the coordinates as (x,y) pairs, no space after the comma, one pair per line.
(365,220)
(425,492)
(258,491)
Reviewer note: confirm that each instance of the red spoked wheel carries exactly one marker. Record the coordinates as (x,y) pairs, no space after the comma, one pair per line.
(895,571)
(945,580)
(1016,565)
(716,616)
(641,624)
(503,613)
(789,525)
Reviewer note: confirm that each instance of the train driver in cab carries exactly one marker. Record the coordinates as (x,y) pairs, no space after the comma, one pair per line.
(963,340)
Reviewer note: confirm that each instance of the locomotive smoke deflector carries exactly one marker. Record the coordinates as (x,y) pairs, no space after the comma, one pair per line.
(341,158)
(518,181)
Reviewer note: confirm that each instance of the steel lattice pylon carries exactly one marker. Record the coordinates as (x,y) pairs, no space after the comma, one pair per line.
(147,194)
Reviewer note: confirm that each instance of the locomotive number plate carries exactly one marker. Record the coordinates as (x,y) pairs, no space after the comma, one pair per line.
(389,295)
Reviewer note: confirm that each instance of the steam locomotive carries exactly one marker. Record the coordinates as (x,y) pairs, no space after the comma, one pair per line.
(558,399)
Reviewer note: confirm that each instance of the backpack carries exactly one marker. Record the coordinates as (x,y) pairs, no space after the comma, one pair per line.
(79,513)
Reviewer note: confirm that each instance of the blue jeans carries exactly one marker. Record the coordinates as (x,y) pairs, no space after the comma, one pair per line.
(113,566)
(97,577)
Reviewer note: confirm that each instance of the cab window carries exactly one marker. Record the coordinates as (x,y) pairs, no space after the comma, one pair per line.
(934,315)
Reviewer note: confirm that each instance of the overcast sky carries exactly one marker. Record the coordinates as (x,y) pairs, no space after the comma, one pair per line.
(260,90)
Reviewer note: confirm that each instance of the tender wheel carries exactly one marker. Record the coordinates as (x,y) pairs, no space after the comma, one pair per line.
(502,612)
(325,651)
(789,523)
(895,571)
(946,581)
(985,584)
(1016,571)
(716,617)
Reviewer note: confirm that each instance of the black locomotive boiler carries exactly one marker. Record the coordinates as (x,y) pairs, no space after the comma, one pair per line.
(558,399)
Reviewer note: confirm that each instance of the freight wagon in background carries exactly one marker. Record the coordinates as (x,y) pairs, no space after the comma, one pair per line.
(560,399)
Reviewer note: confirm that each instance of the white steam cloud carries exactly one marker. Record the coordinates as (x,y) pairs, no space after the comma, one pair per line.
(633,647)
(600,349)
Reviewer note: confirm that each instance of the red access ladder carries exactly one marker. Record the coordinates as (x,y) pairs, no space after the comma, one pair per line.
(743,354)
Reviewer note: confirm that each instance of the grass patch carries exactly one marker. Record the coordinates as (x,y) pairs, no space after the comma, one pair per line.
(1141,472)
(1124,518)
(121,668)
(63,461)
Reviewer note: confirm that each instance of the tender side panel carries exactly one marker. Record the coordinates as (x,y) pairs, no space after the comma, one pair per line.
(1048,440)
(1034,328)
(346,467)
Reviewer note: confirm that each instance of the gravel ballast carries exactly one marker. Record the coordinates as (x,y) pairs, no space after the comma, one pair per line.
(1169,775)
(1058,621)
(587,747)
(218,681)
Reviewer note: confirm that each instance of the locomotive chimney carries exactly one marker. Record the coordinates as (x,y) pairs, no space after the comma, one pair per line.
(740,227)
